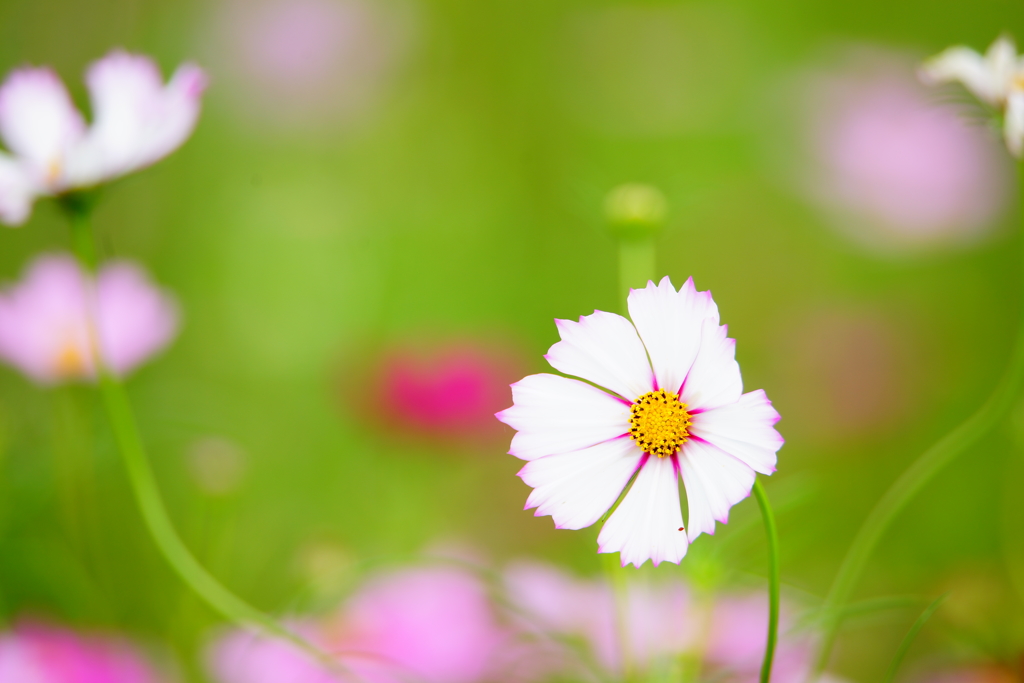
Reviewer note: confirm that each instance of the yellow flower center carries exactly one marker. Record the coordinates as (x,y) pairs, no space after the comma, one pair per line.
(658,423)
(69,363)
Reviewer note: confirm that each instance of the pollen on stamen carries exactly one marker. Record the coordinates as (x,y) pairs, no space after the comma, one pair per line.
(659,423)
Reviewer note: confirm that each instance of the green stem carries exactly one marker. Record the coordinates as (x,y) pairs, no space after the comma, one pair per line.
(901,651)
(772,532)
(902,491)
(636,263)
(620,594)
(83,241)
(147,494)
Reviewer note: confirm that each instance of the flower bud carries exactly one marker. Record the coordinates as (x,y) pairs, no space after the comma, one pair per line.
(635,211)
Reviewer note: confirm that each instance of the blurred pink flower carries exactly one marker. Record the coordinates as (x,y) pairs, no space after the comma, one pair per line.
(52,321)
(659,620)
(304,59)
(446,392)
(737,637)
(662,623)
(897,169)
(34,652)
(432,624)
(244,657)
(137,120)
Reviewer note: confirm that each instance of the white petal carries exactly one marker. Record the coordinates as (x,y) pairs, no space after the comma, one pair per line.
(603,348)
(38,120)
(669,323)
(556,415)
(714,378)
(744,429)
(577,488)
(1013,123)
(715,481)
(16,191)
(977,73)
(648,523)
(1002,62)
(138,120)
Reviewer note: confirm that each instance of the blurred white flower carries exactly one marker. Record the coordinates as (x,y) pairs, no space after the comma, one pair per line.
(137,120)
(996,78)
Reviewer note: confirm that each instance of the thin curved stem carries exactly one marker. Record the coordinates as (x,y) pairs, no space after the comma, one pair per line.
(147,494)
(772,532)
(930,463)
(908,640)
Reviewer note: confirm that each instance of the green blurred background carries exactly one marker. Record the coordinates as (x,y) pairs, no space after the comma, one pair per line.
(445,183)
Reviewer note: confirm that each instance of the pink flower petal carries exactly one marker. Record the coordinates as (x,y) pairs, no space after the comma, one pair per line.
(136,320)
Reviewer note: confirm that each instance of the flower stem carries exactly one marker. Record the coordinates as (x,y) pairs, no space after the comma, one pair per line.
(920,472)
(83,241)
(908,640)
(636,263)
(772,532)
(147,494)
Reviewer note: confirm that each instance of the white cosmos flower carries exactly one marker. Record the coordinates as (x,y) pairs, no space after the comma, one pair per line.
(996,78)
(137,120)
(669,403)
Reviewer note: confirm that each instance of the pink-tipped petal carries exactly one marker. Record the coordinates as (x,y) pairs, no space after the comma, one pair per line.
(39,122)
(577,488)
(136,320)
(605,349)
(555,415)
(138,120)
(715,481)
(744,429)
(669,323)
(648,522)
(714,378)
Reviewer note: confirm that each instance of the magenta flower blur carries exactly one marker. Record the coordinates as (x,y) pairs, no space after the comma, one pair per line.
(58,320)
(39,653)
(431,624)
(137,120)
(445,392)
(897,169)
(663,400)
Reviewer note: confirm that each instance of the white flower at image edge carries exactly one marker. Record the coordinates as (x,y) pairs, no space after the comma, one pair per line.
(137,120)
(680,414)
(996,78)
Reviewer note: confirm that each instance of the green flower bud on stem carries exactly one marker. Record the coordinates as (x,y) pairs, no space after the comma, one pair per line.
(635,211)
